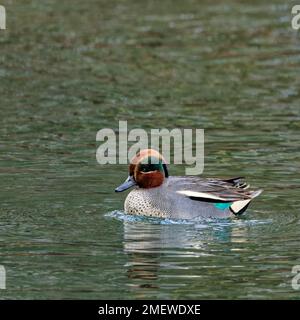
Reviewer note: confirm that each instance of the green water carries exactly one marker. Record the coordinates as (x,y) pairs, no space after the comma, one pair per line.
(68,69)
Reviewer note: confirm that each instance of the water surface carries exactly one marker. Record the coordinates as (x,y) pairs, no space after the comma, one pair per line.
(67,71)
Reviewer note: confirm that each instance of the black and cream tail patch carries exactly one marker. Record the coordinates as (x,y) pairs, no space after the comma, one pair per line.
(238,207)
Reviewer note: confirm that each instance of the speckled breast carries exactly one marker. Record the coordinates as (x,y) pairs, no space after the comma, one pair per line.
(147,202)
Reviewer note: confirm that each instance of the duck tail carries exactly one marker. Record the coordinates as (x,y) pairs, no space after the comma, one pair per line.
(239,207)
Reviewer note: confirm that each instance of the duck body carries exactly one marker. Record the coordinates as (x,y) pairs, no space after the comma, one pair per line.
(165,202)
(156,194)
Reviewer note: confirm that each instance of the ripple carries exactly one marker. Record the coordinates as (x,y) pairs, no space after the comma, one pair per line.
(200,223)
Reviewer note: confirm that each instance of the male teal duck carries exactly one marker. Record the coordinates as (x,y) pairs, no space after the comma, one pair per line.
(156,194)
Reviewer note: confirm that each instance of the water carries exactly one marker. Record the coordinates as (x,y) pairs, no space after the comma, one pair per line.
(68,71)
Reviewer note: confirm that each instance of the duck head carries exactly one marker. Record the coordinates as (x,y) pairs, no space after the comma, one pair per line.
(147,169)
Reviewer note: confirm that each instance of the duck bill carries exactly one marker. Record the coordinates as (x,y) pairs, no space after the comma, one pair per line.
(129,182)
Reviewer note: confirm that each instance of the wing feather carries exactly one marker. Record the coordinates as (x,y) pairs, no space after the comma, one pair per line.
(223,190)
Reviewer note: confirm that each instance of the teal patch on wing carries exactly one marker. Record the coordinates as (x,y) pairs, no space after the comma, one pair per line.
(223,205)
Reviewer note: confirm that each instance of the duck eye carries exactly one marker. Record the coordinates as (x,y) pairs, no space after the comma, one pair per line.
(144,169)
(149,167)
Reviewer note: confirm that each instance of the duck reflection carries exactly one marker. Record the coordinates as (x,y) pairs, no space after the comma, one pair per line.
(154,249)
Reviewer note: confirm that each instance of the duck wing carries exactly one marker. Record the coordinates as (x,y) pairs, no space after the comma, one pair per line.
(213,189)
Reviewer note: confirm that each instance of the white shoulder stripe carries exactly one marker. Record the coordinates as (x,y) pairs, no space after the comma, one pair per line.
(204,195)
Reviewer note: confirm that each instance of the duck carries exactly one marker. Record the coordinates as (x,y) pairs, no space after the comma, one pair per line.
(157,194)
